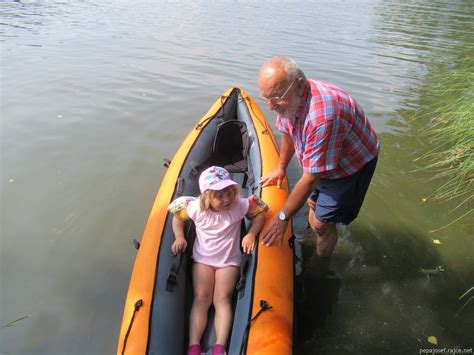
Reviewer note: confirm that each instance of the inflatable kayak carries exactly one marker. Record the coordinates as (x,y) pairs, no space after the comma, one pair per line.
(233,134)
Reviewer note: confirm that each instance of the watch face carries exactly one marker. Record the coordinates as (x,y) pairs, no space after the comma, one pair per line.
(282,216)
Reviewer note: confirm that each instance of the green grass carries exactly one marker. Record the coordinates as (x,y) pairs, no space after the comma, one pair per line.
(449,111)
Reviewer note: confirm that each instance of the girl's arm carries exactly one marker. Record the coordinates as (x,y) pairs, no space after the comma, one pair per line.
(248,242)
(180,243)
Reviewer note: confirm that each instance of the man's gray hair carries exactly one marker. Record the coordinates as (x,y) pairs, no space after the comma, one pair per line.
(292,68)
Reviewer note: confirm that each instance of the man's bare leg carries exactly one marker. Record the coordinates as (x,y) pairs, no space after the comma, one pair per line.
(326,239)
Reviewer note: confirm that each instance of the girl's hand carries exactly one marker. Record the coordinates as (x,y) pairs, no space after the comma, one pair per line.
(179,245)
(248,243)
(311,203)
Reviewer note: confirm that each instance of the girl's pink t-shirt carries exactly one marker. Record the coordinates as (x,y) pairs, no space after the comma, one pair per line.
(217,240)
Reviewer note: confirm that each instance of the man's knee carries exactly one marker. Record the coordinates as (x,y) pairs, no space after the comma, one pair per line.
(321,227)
(315,224)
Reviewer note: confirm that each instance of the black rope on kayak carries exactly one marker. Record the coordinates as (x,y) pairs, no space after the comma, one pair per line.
(205,120)
(223,98)
(257,117)
(263,307)
(137,306)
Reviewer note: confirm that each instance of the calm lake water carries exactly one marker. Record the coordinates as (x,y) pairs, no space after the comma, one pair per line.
(95,94)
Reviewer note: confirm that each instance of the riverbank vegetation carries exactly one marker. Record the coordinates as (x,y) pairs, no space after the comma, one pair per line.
(449,132)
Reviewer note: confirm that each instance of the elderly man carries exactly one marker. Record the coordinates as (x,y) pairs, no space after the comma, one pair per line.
(334,143)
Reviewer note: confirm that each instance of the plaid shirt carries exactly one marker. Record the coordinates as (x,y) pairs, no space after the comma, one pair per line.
(330,132)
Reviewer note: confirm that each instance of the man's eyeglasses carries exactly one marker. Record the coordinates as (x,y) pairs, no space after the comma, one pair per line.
(277,100)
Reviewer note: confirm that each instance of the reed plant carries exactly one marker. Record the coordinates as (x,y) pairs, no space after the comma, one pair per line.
(449,113)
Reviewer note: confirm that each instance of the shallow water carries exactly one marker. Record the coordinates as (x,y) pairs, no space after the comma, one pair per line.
(95,94)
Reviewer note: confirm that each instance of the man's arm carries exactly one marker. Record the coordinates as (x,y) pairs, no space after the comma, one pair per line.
(295,201)
(286,153)
(300,193)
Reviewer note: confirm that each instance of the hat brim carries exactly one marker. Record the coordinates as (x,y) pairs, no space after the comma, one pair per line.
(221,185)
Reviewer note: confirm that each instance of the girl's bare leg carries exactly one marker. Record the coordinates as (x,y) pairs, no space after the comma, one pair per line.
(225,280)
(203,284)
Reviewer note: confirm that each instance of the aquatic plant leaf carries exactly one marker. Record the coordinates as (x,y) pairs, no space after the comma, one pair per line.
(13,323)
(433,340)
(465,293)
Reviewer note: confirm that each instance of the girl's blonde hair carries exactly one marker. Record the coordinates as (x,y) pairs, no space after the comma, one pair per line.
(206,197)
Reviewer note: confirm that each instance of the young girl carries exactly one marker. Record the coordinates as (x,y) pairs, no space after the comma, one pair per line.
(217,214)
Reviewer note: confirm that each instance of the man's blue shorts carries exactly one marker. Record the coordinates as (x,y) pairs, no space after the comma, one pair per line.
(340,200)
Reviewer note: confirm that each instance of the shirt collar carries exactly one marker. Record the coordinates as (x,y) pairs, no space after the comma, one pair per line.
(302,107)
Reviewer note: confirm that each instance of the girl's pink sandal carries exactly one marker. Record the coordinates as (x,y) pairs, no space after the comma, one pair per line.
(194,349)
(218,349)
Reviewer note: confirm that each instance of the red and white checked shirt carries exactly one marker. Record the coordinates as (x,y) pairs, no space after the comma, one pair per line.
(330,132)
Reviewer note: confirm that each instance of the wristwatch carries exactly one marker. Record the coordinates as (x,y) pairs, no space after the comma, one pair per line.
(282,216)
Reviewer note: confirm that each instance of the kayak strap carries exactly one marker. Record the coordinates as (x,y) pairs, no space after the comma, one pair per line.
(244,262)
(174,271)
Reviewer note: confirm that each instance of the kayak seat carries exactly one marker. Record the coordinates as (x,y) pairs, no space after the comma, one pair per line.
(231,146)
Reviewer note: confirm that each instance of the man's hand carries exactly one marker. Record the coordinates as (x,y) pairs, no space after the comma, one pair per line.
(275,232)
(273,178)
